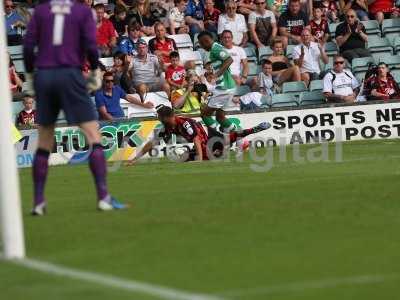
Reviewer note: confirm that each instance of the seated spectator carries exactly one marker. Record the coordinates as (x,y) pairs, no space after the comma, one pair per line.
(119,20)
(262,25)
(239,67)
(187,99)
(176,18)
(128,45)
(119,66)
(14,24)
(233,22)
(282,70)
(175,73)
(15,81)
(319,27)
(108,99)
(142,13)
(246,7)
(381,9)
(382,86)
(340,85)
(307,55)
(161,45)
(292,23)
(265,82)
(359,6)
(211,15)
(106,35)
(28,115)
(351,37)
(194,16)
(146,72)
(330,10)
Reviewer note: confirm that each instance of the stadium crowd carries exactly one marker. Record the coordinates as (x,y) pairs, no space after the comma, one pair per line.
(323,49)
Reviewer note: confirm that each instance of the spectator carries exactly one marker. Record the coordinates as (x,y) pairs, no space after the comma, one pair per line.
(292,23)
(382,86)
(307,56)
(359,6)
(14,24)
(119,66)
(264,79)
(119,20)
(142,14)
(351,37)
(27,116)
(15,81)
(262,25)
(161,45)
(246,7)
(319,27)
(330,10)
(146,72)
(383,8)
(233,22)
(340,85)
(282,70)
(176,18)
(175,73)
(211,15)
(106,35)
(194,16)
(187,99)
(128,45)
(108,99)
(239,67)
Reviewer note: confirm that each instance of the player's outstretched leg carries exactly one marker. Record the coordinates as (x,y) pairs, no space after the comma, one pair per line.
(226,124)
(235,135)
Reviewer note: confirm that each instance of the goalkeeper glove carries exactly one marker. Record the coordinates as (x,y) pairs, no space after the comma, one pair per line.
(28,87)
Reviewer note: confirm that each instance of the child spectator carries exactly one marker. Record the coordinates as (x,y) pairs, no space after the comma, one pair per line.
(176,18)
(264,80)
(28,115)
(175,73)
(119,20)
(319,26)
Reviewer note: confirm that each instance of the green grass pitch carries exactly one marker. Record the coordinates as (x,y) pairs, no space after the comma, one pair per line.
(222,229)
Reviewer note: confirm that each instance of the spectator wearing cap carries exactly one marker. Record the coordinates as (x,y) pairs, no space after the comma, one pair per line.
(351,37)
(211,16)
(233,22)
(262,25)
(161,45)
(106,35)
(108,99)
(194,16)
(128,45)
(360,8)
(382,86)
(176,18)
(146,72)
(340,85)
(14,24)
(307,56)
(292,22)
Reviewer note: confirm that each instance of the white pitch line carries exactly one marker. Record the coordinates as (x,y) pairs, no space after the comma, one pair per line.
(112,281)
(311,285)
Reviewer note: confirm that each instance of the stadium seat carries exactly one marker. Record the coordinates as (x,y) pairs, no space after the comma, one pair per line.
(331,49)
(25,86)
(182,41)
(133,110)
(360,76)
(242,90)
(293,88)
(251,54)
(396,45)
(378,45)
(372,27)
(16,52)
(316,85)
(332,29)
(361,64)
(266,101)
(19,66)
(396,75)
(264,52)
(310,98)
(328,66)
(391,28)
(17,106)
(393,61)
(289,51)
(283,100)
(107,61)
(188,54)
(254,69)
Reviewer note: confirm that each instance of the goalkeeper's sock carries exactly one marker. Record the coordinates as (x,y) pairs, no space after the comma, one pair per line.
(39,174)
(227,125)
(97,164)
(210,122)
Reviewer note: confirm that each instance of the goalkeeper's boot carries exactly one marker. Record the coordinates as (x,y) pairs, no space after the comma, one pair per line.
(110,203)
(262,126)
(39,209)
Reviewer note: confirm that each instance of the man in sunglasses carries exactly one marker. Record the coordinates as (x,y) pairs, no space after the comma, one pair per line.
(14,24)
(351,37)
(340,85)
(262,25)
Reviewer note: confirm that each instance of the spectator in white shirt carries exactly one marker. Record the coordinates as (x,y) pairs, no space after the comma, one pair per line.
(307,56)
(262,25)
(239,67)
(233,22)
(176,17)
(340,85)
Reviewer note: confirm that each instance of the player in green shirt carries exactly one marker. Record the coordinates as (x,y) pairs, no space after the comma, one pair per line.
(224,91)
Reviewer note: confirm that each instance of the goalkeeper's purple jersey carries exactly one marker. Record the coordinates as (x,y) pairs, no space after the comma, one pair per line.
(64,32)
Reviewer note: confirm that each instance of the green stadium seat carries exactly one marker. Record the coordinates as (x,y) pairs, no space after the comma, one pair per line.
(254,69)
(16,52)
(372,27)
(312,98)
(360,76)
(266,101)
(289,51)
(250,53)
(332,29)
(393,61)
(360,64)
(396,75)
(293,88)
(328,66)
(396,45)
(242,90)
(264,52)
(283,100)
(316,85)
(331,48)
(378,45)
(19,66)
(391,28)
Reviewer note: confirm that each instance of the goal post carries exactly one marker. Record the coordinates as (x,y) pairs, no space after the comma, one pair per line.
(12,232)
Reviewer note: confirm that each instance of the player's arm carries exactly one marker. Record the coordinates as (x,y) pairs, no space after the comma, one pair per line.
(225,65)
(198,148)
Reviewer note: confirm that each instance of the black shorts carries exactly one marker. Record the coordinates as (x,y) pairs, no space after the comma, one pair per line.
(62,89)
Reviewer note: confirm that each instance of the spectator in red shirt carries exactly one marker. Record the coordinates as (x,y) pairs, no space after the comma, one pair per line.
(382,86)
(28,115)
(175,73)
(106,35)
(382,9)
(161,45)
(15,80)
(319,26)
(211,15)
